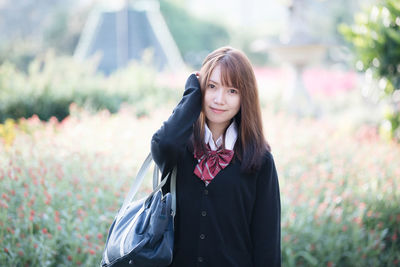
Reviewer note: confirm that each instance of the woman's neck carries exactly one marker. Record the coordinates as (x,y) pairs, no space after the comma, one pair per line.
(217,129)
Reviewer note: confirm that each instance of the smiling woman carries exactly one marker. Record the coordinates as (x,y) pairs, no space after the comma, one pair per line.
(221,103)
(227,191)
(233,70)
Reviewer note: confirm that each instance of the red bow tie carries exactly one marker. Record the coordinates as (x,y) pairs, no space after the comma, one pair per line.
(211,163)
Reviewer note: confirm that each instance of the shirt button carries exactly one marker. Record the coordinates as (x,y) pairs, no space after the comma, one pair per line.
(205,192)
(202,236)
(200,259)
(203,213)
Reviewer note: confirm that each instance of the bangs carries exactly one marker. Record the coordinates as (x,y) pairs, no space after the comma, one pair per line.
(230,73)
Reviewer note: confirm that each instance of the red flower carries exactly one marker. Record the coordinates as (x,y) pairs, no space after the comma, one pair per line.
(92,252)
(394,237)
(3,205)
(6,250)
(44,231)
(18,169)
(57,217)
(286,238)
(21,253)
(69,257)
(5,197)
(32,201)
(357,220)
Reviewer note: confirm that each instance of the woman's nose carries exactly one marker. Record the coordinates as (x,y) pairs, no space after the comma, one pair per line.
(219,96)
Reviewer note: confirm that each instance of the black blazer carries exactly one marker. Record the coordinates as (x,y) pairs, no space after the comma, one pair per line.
(235,220)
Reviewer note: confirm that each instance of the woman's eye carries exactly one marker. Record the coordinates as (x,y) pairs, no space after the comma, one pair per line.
(233,91)
(212,86)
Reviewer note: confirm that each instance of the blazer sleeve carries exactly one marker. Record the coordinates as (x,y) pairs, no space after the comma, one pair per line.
(171,139)
(266,218)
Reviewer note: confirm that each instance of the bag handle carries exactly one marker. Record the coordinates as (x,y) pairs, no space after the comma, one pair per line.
(172,186)
(139,179)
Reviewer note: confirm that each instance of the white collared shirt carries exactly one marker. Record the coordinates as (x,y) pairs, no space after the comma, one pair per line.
(230,137)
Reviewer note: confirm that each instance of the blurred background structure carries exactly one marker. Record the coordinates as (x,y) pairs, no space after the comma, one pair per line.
(293,37)
(123,34)
(84,84)
(297,48)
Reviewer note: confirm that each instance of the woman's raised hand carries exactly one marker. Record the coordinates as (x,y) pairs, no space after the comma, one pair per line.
(197,73)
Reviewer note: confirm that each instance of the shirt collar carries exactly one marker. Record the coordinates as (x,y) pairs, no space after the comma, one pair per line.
(230,137)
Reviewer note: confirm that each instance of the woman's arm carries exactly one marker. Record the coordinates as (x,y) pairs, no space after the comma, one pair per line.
(266,221)
(171,139)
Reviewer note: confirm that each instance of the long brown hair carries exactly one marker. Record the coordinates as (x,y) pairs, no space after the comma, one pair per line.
(237,72)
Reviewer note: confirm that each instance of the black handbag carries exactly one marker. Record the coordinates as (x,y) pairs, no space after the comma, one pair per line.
(142,233)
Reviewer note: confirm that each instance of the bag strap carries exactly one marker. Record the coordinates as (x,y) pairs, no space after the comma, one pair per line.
(173,191)
(172,186)
(139,179)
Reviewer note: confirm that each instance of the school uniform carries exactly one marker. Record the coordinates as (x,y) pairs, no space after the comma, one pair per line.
(232,220)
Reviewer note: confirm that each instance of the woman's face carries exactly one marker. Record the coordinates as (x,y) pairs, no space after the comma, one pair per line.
(221,103)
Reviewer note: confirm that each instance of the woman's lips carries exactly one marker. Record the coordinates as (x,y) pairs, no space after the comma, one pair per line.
(218,111)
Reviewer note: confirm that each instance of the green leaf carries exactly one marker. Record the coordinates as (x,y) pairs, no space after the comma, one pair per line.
(308,257)
(395,35)
(394,7)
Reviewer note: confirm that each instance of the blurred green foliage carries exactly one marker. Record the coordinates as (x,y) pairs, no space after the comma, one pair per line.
(46,25)
(53,83)
(370,239)
(194,37)
(375,38)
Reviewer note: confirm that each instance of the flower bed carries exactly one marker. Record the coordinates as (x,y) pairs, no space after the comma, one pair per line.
(61,183)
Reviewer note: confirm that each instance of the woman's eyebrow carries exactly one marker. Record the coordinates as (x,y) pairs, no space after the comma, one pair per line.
(213,81)
(223,85)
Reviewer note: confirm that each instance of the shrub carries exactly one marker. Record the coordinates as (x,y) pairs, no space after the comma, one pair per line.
(375,38)
(53,83)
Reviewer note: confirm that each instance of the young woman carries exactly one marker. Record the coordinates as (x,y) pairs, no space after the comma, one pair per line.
(228,202)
